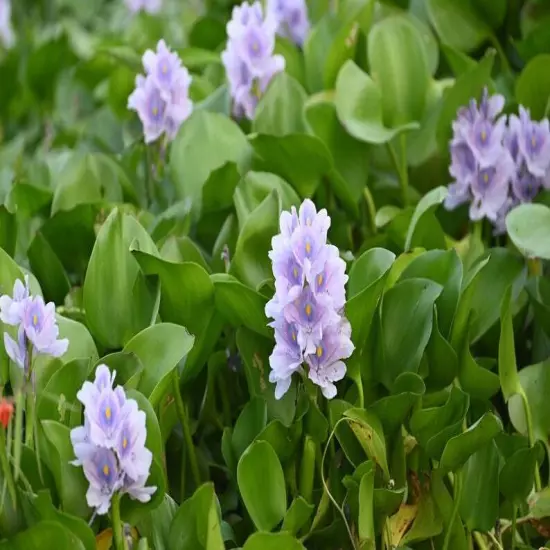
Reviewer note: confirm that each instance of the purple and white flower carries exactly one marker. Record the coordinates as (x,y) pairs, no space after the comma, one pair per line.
(7,36)
(161,97)
(310,280)
(291,17)
(110,446)
(37,331)
(148,6)
(248,58)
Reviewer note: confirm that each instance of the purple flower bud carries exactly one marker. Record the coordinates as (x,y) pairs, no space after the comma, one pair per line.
(292,19)
(17,351)
(101,471)
(325,363)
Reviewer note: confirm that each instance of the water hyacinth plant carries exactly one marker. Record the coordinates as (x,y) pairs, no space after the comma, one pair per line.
(274,275)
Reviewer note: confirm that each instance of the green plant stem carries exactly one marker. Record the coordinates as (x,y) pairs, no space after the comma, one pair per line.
(118,536)
(29,420)
(514,526)
(371,208)
(307,469)
(530,434)
(6,466)
(457,493)
(184,420)
(404,170)
(479,541)
(402,174)
(18,435)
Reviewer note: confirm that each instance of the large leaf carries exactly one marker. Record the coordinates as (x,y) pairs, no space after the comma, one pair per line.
(117,300)
(533,86)
(259,473)
(399,66)
(272,541)
(358,103)
(528,226)
(46,534)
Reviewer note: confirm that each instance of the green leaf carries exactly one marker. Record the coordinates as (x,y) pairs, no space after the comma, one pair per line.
(156,525)
(57,451)
(533,87)
(44,508)
(210,140)
(196,525)
(517,475)
(399,65)
(366,508)
(58,398)
(406,325)
(260,473)
(48,269)
(272,541)
(160,348)
(240,304)
(280,110)
(528,226)
(507,367)
(427,205)
(457,23)
(459,448)
(368,431)
(217,192)
(8,230)
(249,424)
(479,502)
(535,381)
(250,262)
(45,534)
(328,46)
(359,106)
(187,298)
(81,343)
(117,301)
(128,367)
(368,268)
(297,515)
(301,159)
(467,86)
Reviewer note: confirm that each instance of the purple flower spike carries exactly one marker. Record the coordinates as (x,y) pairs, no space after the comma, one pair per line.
(110,446)
(148,6)
(161,98)
(7,36)
(249,61)
(11,308)
(310,294)
(292,19)
(17,351)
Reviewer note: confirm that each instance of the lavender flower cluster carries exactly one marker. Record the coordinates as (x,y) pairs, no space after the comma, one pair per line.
(148,6)
(37,331)
(161,98)
(308,305)
(110,446)
(497,163)
(291,17)
(248,58)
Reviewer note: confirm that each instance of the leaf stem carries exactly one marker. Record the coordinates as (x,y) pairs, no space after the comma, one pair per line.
(479,541)
(401,173)
(118,536)
(514,520)
(371,209)
(6,467)
(184,420)
(530,434)
(29,420)
(457,494)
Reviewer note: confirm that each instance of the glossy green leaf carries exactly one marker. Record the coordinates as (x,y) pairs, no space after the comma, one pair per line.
(533,87)
(117,301)
(272,541)
(528,227)
(507,367)
(249,424)
(366,507)
(81,343)
(399,65)
(260,473)
(459,448)
(358,103)
(196,525)
(517,475)
(297,515)
(160,348)
(45,534)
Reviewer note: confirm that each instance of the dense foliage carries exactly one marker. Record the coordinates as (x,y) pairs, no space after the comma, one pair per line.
(274,275)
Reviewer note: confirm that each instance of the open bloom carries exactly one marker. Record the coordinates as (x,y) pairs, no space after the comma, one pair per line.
(37,329)
(7,36)
(110,446)
(148,6)
(309,297)
(161,97)
(291,17)
(249,61)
